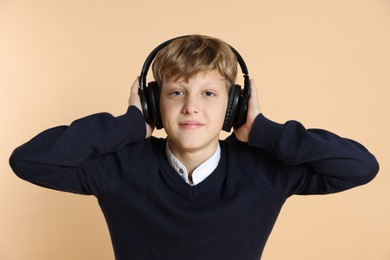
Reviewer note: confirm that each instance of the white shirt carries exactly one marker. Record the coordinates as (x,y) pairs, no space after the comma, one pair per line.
(200,173)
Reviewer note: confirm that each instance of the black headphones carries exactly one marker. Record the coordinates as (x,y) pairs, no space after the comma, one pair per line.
(237,107)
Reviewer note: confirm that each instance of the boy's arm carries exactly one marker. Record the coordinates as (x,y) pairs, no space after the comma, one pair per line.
(56,158)
(328,163)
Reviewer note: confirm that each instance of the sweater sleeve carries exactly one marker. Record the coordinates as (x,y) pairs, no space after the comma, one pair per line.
(61,157)
(315,161)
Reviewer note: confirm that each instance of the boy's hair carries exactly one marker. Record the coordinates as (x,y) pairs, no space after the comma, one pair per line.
(187,56)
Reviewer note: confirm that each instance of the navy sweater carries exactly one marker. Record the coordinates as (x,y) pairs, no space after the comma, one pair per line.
(153,214)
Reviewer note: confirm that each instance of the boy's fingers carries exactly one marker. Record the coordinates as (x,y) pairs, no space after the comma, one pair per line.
(134,98)
(254,98)
(135,87)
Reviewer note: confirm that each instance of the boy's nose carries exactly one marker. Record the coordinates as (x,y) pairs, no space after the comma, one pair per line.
(190,105)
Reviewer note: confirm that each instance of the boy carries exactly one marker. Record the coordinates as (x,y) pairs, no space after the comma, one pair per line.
(191,195)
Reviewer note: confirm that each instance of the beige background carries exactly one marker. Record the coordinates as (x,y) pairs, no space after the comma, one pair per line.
(324,63)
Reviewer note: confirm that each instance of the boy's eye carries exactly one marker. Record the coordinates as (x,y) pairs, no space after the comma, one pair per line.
(176,93)
(209,93)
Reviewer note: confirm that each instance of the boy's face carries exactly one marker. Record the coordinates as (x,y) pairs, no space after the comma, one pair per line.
(193,112)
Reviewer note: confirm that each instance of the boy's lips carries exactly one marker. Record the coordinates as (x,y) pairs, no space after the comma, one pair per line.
(190,124)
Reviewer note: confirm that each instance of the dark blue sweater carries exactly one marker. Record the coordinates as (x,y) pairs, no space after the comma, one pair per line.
(153,214)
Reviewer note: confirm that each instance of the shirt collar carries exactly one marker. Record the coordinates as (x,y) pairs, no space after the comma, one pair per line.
(200,173)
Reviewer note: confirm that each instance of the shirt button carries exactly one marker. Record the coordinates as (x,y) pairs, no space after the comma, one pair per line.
(181,171)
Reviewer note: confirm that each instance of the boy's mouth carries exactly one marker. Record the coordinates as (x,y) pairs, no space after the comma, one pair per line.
(190,124)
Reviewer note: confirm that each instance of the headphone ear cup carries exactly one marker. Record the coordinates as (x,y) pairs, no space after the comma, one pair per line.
(154,104)
(231,110)
(143,95)
(243,110)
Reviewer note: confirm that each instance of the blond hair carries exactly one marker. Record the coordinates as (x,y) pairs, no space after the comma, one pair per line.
(189,55)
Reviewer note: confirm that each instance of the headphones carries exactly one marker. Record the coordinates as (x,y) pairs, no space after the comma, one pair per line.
(237,106)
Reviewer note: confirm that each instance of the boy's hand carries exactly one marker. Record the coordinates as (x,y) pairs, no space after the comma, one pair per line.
(243,132)
(134,100)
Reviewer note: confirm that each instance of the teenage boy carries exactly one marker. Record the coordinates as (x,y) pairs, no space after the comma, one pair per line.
(191,195)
